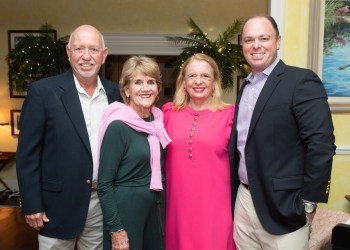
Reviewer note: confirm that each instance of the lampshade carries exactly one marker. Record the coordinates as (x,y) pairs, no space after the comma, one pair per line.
(3,120)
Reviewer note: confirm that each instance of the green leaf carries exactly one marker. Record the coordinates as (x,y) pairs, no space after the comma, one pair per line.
(223,50)
(37,57)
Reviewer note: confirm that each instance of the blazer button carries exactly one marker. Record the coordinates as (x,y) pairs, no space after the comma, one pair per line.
(88,181)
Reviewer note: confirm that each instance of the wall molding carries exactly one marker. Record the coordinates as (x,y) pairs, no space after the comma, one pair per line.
(140,44)
(277,11)
(315,45)
(343,150)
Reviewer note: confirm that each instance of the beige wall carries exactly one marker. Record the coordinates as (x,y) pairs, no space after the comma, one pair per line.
(135,16)
(296,32)
(296,53)
(341,165)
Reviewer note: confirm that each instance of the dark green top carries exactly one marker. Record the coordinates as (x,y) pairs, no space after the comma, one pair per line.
(124,161)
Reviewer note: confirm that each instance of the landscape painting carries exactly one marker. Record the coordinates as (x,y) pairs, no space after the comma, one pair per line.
(336,49)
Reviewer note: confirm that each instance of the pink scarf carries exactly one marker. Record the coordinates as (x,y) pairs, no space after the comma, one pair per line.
(155,130)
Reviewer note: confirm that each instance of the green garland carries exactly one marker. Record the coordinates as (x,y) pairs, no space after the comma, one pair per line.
(227,55)
(36,57)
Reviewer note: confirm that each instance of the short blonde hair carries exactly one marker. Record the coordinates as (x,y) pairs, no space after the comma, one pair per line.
(181,99)
(138,64)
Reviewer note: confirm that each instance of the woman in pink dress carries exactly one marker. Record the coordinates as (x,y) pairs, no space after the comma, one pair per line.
(198,193)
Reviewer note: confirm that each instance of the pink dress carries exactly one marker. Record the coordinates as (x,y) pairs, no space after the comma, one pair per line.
(197,169)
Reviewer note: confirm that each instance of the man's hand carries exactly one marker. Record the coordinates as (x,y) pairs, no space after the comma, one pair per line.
(310,218)
(37,220)
(120,240)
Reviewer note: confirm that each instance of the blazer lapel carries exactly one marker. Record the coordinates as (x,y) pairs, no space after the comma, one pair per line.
(272,81)
(71,102)
(110,91)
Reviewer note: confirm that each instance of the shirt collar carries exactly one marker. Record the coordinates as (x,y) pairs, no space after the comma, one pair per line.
(266,71)
(82,91)
(269,69)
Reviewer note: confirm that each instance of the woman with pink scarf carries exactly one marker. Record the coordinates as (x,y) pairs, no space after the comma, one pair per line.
(132,143)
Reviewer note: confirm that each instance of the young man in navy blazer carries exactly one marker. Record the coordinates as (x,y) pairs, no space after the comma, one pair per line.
(281,147)
(57,147)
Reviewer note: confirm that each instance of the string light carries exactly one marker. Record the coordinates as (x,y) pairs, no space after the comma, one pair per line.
(34,57)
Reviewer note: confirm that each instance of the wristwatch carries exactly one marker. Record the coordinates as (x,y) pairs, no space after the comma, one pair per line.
(309,207)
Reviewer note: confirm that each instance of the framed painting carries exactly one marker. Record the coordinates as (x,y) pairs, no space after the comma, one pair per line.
(18,87)
(15,116)
(15,36)
(329,47)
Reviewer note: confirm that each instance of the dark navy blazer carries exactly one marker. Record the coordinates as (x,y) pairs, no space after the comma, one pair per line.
(289,148)
(54,161)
